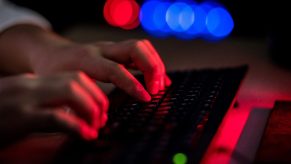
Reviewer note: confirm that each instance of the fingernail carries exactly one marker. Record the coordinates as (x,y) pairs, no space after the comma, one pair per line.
(147,97)
(143,95)
(168,81)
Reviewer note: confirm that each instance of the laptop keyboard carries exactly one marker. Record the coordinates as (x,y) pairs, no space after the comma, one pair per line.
(177,125)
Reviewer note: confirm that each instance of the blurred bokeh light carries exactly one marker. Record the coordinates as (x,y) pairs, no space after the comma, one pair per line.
(122,13)
(184,19)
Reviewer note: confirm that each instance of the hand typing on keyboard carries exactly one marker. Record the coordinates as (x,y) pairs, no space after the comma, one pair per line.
(29,103)
(62,69)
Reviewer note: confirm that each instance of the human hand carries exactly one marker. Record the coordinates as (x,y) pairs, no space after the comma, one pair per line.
(107,62)
(104,61)
(36,104)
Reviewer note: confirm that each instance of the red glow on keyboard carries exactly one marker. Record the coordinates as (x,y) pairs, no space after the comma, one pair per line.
(122,13)
(224,143)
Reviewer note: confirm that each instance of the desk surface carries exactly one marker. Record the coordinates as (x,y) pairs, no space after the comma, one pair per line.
(264,83)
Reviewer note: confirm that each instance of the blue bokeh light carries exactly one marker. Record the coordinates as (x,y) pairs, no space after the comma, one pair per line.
(219,22)
(146,16)
(179,17)
(185,19)
(152,18)
(198,26)
(159,16)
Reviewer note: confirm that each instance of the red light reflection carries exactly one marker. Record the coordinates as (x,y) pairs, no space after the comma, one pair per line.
(225,140)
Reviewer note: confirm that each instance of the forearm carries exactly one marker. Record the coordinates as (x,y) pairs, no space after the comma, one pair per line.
(21,34)
(22,45)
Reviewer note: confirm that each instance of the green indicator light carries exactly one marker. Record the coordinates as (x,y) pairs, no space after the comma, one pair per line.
(180,158)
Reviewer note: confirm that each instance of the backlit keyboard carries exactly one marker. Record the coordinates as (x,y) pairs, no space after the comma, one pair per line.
(176,126)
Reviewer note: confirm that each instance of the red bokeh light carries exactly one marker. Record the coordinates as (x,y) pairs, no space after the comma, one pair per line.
(122,13)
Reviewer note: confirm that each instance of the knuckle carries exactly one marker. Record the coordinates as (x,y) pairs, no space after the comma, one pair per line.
(154,67)
(69,88)
(138,43)
(135,44)
(80,75)
(132,41)
(77,75)
(81,50)
(84,53)
(146,40)
(114,68)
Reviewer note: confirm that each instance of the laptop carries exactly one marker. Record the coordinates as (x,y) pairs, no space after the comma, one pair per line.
(177,126)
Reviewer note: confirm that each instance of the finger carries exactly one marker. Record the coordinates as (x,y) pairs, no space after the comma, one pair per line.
(159,60)
(94,90)
(70,92)
(108,71)
(138,53)
(123,79)
(105,119)
(168,81)
(84,105)
(154,74)
(99,97)
(152,81)
(51,120)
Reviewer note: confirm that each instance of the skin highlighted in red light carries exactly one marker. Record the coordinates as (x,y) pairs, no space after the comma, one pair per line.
(122,13)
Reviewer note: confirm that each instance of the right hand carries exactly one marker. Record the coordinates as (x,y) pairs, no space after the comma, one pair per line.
(31,104)
(28,48)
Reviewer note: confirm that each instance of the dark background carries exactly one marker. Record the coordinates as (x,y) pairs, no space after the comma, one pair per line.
(250,16)
(253,19)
